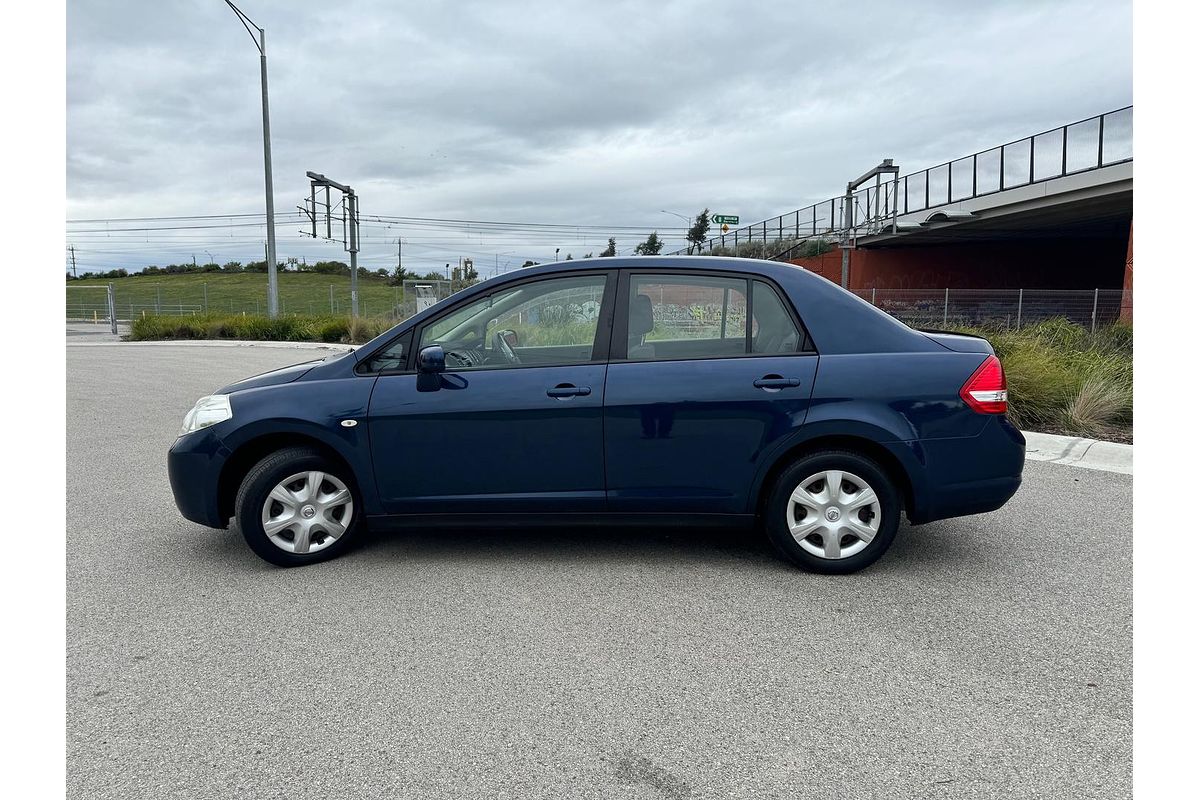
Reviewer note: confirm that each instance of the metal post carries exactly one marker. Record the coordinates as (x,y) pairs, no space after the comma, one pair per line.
(331,298)
(1100,140)
(847,224)
(260,41)
(206,298)
(946,309)
(1095,306)
(272,277)
(895,198)
(1064,153)
(353,200)
(872,295)
(1020,304)
(157,298)
(112,310)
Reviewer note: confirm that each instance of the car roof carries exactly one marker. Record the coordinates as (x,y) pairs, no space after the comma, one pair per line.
(773,269)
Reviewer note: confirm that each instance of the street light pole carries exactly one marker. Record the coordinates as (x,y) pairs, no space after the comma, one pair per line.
(260,41)
(686,221)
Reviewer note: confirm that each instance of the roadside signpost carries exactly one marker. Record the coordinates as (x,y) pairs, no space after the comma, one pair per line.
(724,219)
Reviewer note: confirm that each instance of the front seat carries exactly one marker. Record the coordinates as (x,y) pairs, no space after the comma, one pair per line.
(641,322)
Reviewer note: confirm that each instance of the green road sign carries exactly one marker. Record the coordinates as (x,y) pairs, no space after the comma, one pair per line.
(722,219)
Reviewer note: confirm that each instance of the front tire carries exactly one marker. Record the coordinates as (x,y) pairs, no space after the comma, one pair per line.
(833,512)
(297,507)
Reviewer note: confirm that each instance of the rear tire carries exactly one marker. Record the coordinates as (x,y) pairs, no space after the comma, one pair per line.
(833,532)
(297,507)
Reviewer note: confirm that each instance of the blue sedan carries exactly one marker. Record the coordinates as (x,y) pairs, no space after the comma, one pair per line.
(650,391)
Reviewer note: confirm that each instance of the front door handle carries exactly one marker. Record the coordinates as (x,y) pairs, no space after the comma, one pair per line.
(775,382)
(565,390)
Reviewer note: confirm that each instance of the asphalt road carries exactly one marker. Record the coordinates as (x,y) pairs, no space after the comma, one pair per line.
(982,657)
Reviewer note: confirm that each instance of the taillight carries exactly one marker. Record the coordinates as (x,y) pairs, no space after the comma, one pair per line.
(986,391)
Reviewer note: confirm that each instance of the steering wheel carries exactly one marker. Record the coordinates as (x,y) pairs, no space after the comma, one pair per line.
(504,348)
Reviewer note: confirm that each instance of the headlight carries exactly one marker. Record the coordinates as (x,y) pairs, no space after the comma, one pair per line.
(207,411)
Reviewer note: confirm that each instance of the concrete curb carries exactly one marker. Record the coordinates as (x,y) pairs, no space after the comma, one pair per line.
(223,343)
(1078,452)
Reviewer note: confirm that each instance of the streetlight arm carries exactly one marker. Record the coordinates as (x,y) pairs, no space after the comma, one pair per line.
(247,23)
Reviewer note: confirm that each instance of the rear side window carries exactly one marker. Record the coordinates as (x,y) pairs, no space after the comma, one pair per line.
(674,317)
(772,327)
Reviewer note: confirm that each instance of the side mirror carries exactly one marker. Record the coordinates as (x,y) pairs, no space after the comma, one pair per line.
(431,360)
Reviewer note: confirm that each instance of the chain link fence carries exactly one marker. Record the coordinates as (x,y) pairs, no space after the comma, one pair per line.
(192,299)
(920,308)
(999,308)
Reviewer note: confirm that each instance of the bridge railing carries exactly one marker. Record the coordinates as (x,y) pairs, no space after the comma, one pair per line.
(1077,147)
(1082,146)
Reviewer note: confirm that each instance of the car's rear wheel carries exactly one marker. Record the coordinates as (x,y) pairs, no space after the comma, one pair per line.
(833,511)
(297,507)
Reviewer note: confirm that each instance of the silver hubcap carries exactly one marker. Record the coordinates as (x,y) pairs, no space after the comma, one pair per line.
(307,512)
(833,514)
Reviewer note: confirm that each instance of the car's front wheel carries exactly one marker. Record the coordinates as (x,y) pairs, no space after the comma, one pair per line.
(833,511)
(297,507)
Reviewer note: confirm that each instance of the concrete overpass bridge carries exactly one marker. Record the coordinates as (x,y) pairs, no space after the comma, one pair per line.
(1049,211)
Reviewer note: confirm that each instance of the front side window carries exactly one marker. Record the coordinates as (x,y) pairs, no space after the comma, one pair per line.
(686,316)
(540,323)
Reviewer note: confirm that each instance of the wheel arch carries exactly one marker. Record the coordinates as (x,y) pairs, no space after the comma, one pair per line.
(870,448)
(249,453)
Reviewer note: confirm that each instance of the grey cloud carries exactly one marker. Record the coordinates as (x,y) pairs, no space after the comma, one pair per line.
(563,112)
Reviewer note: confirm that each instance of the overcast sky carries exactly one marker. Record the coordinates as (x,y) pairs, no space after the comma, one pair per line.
(577,113)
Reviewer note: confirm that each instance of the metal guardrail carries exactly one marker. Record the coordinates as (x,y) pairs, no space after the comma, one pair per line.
(1074,148)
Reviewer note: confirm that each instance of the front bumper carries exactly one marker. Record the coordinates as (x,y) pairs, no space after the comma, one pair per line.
(194,465)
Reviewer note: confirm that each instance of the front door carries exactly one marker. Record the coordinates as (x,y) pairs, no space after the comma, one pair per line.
(516,421)
(716,370)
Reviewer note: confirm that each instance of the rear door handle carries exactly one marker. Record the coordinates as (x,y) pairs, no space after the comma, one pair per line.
(564,390)
(775,382)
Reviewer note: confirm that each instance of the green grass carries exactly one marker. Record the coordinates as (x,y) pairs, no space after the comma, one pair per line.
(299,292)
(1064,379)
(286,328)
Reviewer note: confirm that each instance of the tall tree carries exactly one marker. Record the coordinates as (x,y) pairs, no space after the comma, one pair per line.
(698,233)
(651,247)
(611,250)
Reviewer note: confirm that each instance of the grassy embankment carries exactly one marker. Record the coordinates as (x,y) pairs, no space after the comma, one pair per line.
(1064,379)
(299,292)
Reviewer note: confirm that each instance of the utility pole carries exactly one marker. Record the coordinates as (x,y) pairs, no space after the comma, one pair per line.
(74,271)
(350,200)
(260,41)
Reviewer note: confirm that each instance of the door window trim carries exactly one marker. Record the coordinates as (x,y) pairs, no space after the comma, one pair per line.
(619,346)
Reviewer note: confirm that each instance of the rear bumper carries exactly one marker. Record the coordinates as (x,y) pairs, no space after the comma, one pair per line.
(967,476)
(194,465)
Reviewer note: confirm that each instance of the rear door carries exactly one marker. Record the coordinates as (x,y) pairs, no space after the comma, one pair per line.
(708,370)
